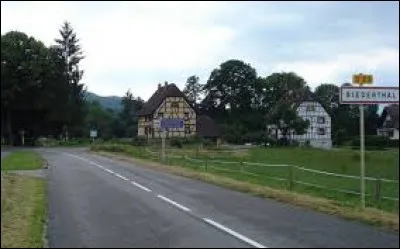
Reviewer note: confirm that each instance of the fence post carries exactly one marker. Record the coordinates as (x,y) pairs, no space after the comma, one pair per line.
(290,177)
(206,164)
(378,183)
(241,166)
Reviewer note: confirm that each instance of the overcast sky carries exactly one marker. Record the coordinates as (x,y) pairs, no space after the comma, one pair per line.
(136,45)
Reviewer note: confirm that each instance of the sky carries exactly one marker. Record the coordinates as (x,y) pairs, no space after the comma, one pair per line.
(136,45)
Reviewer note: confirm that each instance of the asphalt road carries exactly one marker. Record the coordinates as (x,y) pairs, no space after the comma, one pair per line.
(98,202)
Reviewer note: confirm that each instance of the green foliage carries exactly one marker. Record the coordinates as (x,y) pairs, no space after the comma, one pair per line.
(373,142)
(176,142)
(139,141)
(71,53)
(393,143)
(193,89)
(37,93)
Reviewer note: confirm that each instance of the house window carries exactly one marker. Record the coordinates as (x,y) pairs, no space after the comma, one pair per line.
(186,116)
(391,133)
(161,115)
(321,120)
(148,118)
(187,129)
(321,131)
(310,108)
(175,106)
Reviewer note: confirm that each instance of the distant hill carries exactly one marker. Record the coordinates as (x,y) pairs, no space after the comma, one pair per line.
(112,102)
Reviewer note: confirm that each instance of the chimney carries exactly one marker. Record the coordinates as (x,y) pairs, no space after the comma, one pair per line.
(166,83)
(159,85)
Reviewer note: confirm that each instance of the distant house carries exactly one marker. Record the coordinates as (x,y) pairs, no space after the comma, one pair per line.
(318,133)
(389,125)
(169,102)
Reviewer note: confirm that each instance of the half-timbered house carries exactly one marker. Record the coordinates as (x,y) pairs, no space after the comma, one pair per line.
(168,102)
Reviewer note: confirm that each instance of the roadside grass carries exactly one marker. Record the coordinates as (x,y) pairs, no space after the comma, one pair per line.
(23,211)
(372,216)
(22,160)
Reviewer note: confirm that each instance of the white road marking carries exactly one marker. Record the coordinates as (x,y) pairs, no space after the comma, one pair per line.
(179,206)
(122,177)
(234,234)
(174,203)
(109,171)
(140,186)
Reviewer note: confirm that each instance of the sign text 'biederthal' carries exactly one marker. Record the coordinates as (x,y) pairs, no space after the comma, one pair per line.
(372,95)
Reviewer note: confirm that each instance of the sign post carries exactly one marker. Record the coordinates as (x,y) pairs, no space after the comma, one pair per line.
(366,96)
(93,135)
(362,155)
(163,136)
(168,123)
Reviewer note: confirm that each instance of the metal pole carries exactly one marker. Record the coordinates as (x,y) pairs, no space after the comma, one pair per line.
(362,144)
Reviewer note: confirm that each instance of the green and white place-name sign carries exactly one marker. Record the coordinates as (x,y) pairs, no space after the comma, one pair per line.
(369,95)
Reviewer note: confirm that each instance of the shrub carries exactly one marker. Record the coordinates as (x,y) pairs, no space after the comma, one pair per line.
(208,142)
(373,142)
(176,142)
(393,143)
(110,147)
(139,141)
(45,141)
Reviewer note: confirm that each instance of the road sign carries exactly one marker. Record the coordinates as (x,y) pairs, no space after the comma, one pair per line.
(369,95)
(93,133)
(363,79)
(171,123)
(366,96)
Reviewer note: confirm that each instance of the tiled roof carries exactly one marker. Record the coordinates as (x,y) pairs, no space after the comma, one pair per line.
(169,90)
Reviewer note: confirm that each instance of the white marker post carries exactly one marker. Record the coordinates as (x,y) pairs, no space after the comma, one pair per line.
(362,155)
(163,136)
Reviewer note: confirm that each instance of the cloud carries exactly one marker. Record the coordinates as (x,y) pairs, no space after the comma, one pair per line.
(139,44)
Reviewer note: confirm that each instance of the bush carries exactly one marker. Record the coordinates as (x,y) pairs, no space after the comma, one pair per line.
(393,143)
(110,147)
(45,141)
(176,142)
(208,142)
(139,141)
(373,142)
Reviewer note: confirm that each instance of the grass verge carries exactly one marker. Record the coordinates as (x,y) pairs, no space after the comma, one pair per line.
(23,211)
(22,160)
(370,216)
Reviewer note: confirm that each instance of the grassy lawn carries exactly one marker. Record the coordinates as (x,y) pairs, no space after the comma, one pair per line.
(22,211)
(379,164)
(22,160)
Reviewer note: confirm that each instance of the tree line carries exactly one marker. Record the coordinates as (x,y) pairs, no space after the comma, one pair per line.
(42,95)
(244,103)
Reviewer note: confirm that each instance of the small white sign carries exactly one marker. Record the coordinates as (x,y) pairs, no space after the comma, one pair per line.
(93,133)
(369,95)
(156,123)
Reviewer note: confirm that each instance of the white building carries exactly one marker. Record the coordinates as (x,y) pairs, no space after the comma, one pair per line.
(390,122)
(318,133)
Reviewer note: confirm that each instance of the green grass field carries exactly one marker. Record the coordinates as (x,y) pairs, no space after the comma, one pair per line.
(22,160)
(379,164)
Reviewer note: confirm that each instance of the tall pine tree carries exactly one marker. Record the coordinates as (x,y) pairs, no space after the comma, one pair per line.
(71,52)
